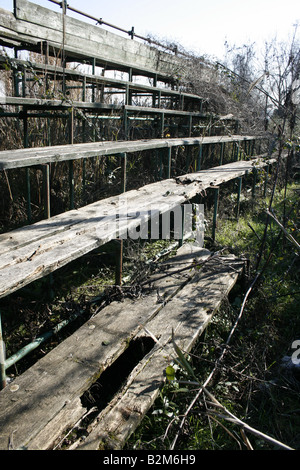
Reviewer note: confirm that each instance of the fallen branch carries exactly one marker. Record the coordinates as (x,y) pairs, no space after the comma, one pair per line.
(287,234)
(202,388)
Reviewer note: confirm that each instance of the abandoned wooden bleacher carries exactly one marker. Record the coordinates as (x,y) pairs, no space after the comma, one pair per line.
(33,251)
(42,404)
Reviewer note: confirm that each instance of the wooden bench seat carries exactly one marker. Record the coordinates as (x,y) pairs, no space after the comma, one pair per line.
(34,251)
(21,158)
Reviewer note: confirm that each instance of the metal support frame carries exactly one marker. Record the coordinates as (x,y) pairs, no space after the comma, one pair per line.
(120,242)
(215,215)
(71,184)
(71,163)
(199,159)
(222,152)
(238,202)
(254,182)
(169,164)
(46,184)
(180,242)
(266,181)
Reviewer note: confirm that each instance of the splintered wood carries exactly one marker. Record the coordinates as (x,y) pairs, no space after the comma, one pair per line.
(41,404)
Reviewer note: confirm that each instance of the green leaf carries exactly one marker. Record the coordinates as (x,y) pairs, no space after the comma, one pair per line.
(170,373)
(182,360)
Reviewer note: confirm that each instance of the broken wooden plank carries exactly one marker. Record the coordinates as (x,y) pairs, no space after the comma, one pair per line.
(188,314)
(218,175)
(52,386)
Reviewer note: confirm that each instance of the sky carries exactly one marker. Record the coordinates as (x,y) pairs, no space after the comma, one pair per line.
(200,26)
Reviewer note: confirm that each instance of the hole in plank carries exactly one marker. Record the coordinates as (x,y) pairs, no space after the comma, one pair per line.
(109,383)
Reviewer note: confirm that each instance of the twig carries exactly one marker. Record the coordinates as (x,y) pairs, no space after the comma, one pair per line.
(202,388)
(192,265)
(92,410)
(287,234)
(257,236)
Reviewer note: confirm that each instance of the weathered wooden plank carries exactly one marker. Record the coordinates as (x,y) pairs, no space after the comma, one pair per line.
(32,252)
(50,389)
(188,314)
(37,103)
(86,40)
(21,158)
(35,259)
(218,175)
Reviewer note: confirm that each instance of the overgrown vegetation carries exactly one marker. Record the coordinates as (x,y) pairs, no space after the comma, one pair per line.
(255,380)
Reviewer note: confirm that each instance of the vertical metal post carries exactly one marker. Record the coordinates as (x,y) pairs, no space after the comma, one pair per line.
(71,163)
(119,254)
(266,181)
(180,242)
(28,188)
(254,182)
(24,82)
(83,177)
(238,197)
(2,359)
(127,96)
(222,153)
(125,124)
(190,125)
(154,94)
(84,88)
(46,180)
(188,158)
(169,150)
(124,169)
(158,99)
(216,200)
(28,195)
(71,183)
(199,159)
(233,151)
(162,125)
(93,73)
(16,77)
(237,151)
(71,126)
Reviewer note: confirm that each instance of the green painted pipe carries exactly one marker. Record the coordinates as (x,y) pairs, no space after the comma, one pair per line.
(38,341)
